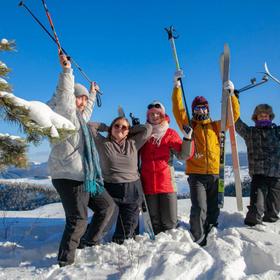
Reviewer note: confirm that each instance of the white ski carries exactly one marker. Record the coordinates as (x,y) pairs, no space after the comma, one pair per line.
(267,72)
(227,119)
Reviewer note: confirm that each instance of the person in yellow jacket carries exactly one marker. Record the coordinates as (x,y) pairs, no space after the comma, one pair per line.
(203,168)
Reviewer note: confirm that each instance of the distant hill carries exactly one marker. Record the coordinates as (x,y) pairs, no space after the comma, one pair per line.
(39,170)
(36,170)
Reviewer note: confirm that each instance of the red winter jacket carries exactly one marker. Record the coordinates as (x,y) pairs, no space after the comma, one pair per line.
(157,171)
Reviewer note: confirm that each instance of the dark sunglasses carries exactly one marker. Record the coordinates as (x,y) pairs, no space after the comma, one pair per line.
(200,107)
(120,126)
(150,106)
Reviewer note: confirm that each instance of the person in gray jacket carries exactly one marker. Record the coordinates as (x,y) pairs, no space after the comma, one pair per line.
(263,149)
(74,168)
(119,162)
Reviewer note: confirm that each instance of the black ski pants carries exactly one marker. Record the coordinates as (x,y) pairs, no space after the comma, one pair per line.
(204,198)
(128,197)
(75,202)
(264,199)
(163,211)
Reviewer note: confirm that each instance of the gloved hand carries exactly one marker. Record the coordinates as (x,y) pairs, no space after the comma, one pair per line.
(178,75)
(135,121)
(187,132)
(94,87)
(229,87)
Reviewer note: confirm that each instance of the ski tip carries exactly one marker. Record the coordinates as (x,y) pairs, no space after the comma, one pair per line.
(266,68)
(120,111)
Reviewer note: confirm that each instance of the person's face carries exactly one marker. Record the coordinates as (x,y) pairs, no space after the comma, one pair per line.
(200,110)
(81,102)
(120,129)
(263,117)
(155,118)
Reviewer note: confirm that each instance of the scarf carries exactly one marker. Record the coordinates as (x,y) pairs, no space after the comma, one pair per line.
(201,117)
(263,123)
(158,132)
(93,182)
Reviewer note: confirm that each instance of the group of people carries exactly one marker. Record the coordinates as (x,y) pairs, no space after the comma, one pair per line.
(109,174)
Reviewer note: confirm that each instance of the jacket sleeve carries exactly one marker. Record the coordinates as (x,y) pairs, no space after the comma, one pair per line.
(90,104)
(63,101)
(235,111)
(242,128)
(140,134)
(96,128)
(178,108)
(182,149)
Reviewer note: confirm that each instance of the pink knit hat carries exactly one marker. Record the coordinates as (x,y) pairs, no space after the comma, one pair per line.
(156,107)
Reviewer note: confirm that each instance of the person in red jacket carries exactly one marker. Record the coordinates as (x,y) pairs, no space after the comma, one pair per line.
(157,172)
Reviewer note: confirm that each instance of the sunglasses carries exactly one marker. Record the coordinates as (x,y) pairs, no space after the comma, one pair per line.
(154,106)
(120,126)
(200,107)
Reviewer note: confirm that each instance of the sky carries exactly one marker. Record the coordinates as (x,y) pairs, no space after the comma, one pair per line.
(122,46)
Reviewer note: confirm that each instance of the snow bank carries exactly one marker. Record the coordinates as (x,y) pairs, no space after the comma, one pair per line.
(29,242)
(39,115)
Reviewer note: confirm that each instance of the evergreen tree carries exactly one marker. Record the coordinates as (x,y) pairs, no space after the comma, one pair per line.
(12,148)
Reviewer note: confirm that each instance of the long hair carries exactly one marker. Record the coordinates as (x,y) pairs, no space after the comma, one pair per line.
(113,123)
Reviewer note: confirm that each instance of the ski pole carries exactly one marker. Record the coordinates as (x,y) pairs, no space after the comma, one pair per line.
(21,4)
(51,24)
(170,31)
(253,84)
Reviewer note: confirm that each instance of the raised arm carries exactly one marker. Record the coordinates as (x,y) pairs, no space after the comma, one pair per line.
(242,128)
(91,100)
(96,128)
(63,101)
(141,133)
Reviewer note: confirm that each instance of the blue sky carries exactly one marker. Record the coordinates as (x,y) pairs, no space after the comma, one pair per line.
(123,46)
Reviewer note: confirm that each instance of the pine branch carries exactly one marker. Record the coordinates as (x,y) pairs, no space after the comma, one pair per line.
(20,116)
(12,151)
(6,45)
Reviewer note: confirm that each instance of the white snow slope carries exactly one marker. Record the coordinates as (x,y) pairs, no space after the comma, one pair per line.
(29,243)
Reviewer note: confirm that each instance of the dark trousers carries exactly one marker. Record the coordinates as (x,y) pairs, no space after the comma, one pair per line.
(128,197)
(163,211)
(204,198)
(75,202)
(264,199)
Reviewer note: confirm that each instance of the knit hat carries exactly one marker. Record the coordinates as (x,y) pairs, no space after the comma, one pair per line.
(200,100)
(80,90)
(157,107)
(263,108)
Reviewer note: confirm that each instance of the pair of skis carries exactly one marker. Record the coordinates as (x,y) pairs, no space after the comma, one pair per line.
(227,120)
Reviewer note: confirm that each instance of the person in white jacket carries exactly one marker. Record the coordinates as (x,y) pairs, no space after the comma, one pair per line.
(68,169)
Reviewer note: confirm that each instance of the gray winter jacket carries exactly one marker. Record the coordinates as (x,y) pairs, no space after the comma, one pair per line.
(119,162)
(66,158)
(263,148)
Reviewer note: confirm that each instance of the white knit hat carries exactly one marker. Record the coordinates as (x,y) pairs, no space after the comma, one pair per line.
(80,90)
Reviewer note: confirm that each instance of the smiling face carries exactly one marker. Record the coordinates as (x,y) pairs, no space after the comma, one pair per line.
(120,129)
(81,102)
(155,117)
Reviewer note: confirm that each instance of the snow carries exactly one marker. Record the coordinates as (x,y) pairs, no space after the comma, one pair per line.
(41,113)
(4,41)
(29,242)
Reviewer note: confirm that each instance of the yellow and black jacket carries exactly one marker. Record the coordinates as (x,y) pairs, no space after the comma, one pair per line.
(206,136)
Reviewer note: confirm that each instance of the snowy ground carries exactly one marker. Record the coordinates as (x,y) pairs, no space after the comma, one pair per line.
(29,242)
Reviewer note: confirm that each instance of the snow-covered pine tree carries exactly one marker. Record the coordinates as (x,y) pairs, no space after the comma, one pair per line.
(35,118)
(12,148)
